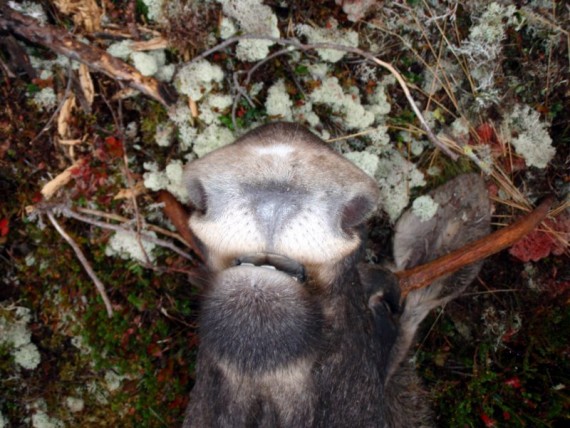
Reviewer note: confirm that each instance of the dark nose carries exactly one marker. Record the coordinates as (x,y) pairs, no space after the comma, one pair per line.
(274,204)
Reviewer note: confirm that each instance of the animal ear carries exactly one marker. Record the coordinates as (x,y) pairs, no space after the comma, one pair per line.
(357,210)
(197,194)
(462,216)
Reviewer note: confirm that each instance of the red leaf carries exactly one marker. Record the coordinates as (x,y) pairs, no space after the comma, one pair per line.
(488,421)
(486,133)
(114,147)
(540,244)
(37,198)
(179,402)
(4,226)
(514,382)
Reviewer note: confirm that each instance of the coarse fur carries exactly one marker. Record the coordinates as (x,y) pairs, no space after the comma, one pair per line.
(329,349)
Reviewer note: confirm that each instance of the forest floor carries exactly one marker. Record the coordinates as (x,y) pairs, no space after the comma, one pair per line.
(87,143)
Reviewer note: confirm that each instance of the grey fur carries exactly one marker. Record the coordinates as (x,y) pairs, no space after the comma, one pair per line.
(331,351)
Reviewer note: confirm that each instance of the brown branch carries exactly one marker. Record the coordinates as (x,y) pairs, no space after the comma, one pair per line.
(84,262)
(423,275)
(97,59)
(177,214)
(370,57)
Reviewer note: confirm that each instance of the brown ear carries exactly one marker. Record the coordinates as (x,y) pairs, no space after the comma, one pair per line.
(462,216)
(423,275)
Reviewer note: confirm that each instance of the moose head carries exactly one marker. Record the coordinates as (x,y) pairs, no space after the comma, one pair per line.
(296,331)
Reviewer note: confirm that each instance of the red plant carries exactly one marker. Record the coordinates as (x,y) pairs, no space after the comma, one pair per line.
(4,226)
(487,420)
(500,151)
(541,243)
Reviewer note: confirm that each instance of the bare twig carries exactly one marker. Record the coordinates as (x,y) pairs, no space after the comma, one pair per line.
(97,59)
(144,236)
(304,47)
(84,262)
(59,107)
(241,91)
(121,219)
(423,275)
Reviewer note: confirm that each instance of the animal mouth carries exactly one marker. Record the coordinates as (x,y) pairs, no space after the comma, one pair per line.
(274,261)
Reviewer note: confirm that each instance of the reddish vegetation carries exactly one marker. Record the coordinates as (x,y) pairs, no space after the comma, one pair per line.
(500,151)
(544,241)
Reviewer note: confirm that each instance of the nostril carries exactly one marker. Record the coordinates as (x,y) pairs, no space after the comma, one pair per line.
(198,195)
(355,211)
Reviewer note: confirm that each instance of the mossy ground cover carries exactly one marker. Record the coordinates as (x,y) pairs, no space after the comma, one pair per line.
(497,356)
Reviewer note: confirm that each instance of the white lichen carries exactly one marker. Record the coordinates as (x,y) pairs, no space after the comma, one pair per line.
(318,70)
(46,99)
(227,28)
(365,161)
(121,50)
(164,134)
(181,116)
(212,138)
(126,245)
(145,63)
(213,106)
(14,333)
(255,18)
(31,9)
(379,140)
(484,46)
(40,419)
(332,34)
(532,142)
(113,380)
(197,79)
(278,103)
(349,111)
(378,103)
(165,72)
(81,344)
(459,127)
(171,179)
(27,356)
(440,75)
(424,207)
(304,113)
(396,176)
(155,9)
(355,10)
(74,404)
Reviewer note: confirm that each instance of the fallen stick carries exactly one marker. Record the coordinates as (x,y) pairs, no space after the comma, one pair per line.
(96,59)
(423,275)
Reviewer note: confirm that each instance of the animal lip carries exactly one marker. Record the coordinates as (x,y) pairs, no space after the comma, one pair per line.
(274,261)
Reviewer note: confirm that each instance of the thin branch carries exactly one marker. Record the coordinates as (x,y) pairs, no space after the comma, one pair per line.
(304,47)
(64,209)
(121,219)
(84,262)
(144,236)
(59,107)
(62,42)
(423,275)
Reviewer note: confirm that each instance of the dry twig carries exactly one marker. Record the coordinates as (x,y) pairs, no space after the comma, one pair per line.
(84,262)
(97,59)
(304,47)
